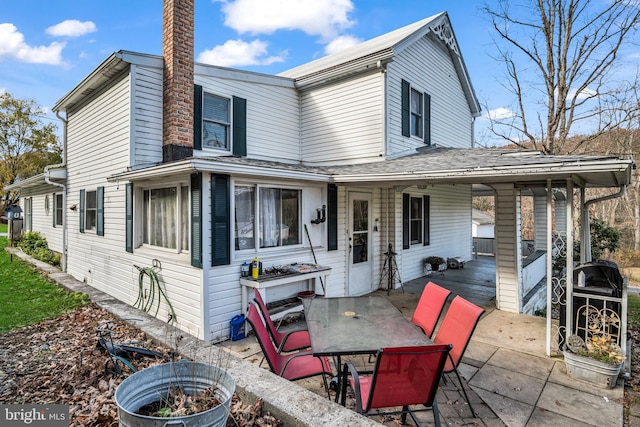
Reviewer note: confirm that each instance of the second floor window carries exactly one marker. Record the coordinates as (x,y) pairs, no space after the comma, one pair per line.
(416,113)
(215,122)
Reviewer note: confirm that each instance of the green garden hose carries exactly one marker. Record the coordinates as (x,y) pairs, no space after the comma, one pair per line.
(156,293)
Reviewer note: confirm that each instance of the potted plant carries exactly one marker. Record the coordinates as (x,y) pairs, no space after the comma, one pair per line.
(434,262)
(598,361)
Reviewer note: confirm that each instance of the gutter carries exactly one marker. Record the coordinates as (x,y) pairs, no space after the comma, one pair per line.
(585,224)
(64,189)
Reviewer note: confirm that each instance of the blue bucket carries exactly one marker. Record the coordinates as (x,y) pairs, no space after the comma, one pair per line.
(237,327)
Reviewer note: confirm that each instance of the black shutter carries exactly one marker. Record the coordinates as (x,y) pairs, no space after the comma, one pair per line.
(406,212)
(129,217)
(239,126)
(197,117)
(426,215)
(332,217)
(406,108)
(196,220)
(220,220)
(427,119)
(82,200)
(100,211)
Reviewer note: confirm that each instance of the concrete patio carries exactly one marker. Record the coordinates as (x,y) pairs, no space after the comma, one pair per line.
(512,382)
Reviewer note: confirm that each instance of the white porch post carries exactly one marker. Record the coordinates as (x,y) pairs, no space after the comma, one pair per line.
(569,265)
(540,218)
(549,226)
(508,247)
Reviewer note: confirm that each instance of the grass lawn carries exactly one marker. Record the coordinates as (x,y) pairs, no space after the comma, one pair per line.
(27,297)
(633,311)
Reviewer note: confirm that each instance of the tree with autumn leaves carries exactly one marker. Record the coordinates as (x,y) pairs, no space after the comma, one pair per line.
(27,143)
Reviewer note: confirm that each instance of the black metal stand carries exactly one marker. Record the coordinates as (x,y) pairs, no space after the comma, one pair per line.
(390,271)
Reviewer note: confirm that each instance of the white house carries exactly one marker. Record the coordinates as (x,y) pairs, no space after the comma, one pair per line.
(196,169)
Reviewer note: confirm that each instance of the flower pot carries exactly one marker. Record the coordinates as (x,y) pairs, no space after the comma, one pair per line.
(153,383)
(602,374)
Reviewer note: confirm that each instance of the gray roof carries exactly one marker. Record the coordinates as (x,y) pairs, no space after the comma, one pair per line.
(430,165)
(364,49)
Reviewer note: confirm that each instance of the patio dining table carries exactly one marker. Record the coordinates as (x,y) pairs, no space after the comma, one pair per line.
(357,325)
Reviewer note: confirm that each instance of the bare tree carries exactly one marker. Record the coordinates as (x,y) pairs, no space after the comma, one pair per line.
(560,58)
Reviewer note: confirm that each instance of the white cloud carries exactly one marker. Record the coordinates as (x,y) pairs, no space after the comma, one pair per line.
(341,43)
(71,28)
(3,90)
(12,45)
(325,18)
(500,113)
(239,53)
(584,94)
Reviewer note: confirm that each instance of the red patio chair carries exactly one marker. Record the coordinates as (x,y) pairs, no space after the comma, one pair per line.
(402,377)
(292,366)
(285,341)
(430,307)
(456,329)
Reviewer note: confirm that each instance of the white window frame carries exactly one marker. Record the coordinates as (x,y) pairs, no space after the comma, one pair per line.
(57,205)
(256,218)
(413,220)
(226,124)
(416,116)
(183,231)
(87,196)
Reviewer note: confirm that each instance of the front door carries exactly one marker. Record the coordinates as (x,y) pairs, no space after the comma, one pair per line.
(360,245)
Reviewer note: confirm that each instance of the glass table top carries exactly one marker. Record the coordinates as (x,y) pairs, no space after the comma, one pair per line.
(358,325)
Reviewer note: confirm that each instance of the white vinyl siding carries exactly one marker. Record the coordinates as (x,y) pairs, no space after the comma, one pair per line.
(98,147)
(508,247)
(272,117)
(147,113)
(427,66)
(449,225)
(343,122)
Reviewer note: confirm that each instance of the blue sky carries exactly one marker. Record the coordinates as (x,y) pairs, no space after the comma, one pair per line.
(47,47)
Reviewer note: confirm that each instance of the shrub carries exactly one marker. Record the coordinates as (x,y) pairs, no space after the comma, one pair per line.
(34,244)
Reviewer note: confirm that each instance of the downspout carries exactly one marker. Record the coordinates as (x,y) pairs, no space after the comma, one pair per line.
(64,190)
(585,246)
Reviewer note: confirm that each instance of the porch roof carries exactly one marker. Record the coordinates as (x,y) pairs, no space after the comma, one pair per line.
(429,165)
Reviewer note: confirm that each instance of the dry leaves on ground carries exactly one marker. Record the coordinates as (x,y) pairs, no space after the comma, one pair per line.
(56,362)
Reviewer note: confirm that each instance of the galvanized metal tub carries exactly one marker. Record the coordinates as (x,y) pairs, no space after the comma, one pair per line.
(151,384)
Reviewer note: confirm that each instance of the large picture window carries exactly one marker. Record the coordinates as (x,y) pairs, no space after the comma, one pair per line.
(165,219)
(271,214)
(215,122)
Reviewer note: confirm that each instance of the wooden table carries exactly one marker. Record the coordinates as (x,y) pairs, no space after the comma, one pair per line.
(268,281)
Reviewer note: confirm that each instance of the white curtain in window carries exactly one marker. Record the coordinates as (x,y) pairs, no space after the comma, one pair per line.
(269,216)
(163,217)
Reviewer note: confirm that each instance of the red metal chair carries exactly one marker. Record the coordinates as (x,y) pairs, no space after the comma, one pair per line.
(285,341)
(430,307)
(292,366)
(456,329)
(402,376)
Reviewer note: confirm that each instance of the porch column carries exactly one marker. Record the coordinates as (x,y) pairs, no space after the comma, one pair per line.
(508,247)
(539,219)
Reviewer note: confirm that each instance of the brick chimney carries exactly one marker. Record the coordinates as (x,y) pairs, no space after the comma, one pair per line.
(177,51)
